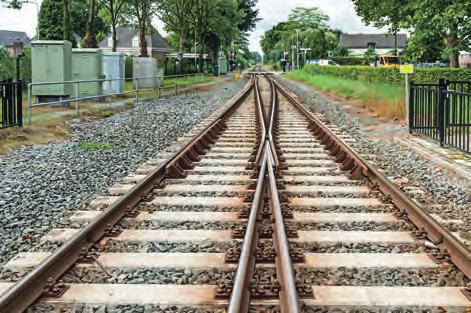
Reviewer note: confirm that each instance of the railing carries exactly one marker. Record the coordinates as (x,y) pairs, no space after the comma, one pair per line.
(11,112)
(443,112)
(156,83)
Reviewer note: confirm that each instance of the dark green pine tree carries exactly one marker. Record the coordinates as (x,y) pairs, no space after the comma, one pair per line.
(51,20)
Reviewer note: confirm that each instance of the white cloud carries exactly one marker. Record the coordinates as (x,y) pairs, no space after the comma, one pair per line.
(341,12)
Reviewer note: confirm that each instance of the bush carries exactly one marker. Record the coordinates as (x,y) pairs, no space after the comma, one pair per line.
(128,67)
(390,75)
(7,64)
(349,60)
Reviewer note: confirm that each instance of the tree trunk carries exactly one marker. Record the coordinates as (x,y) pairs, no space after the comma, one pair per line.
(114,37)
(142,40)
(89,37)
(68,35)
(182,40)
(451,42)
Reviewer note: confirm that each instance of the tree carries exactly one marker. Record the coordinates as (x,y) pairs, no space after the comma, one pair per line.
(175,13)
(90,40)
(308,18)
(449,19)
(250,12)
(114,9)
(51,20)
(422,47)
(68,33)
(141,11)
(203,15)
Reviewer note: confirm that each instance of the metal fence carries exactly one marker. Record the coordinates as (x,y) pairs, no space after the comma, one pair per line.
(443,112)
(173,83)
(11,113)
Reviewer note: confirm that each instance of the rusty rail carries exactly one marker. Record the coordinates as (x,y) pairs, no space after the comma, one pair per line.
(360,168)
(31,287)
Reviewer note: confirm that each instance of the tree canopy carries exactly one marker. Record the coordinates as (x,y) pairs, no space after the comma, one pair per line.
(446,19)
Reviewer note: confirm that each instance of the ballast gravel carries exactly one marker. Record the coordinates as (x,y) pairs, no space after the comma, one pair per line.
(443,195)
(42,185)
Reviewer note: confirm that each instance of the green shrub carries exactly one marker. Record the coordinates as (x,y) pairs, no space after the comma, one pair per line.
(349,60)
(128,67)
(390,75)
(7,64)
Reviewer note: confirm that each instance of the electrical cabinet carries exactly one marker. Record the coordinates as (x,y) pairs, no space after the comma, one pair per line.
(113,67)
(87,65)
(51,61)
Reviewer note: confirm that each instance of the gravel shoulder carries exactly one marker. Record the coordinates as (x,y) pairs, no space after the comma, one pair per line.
(440,193)
(41,186)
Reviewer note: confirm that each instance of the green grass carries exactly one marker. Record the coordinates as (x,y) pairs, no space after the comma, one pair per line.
(94,145)
(385,100)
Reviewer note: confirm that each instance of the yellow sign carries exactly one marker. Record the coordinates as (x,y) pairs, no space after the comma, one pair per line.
(407,69)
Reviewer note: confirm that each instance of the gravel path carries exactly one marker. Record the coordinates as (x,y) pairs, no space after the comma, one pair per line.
(444,196)
(42,185)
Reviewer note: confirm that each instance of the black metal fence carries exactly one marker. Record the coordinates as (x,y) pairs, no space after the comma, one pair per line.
(443,112)
(11,112)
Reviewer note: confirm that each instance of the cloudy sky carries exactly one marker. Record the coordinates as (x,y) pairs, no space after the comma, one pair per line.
(341,12)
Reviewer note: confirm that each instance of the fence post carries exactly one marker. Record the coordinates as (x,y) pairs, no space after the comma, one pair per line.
(175,82)
(4,104)
(137,90)
(77,102)
(441,110)
(19,103)
(411,107)
(30,90)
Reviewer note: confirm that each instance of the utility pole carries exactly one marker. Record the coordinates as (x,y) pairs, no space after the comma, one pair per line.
(297,49)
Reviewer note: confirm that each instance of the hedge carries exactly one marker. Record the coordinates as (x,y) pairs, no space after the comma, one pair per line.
(390,75)
(349,60)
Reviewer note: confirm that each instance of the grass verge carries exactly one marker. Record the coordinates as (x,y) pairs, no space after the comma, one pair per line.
(383,100)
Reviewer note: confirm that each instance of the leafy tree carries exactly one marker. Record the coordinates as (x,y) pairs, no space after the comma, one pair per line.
(68,33)
(90,40)
(449,19)
(114,10)
(250,12)
(6,64)
(306,18)
(204,14)
(140,13)
(422,47)
(175,13)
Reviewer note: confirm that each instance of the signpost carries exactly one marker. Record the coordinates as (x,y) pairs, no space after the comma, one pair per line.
(407,69)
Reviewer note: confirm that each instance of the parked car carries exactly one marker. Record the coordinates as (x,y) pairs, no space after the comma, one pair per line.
(322,62)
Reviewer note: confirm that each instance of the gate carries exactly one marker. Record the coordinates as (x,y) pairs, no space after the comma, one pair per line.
(443,112)
(11,111)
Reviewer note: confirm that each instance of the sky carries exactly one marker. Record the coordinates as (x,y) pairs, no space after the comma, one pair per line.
(341,12)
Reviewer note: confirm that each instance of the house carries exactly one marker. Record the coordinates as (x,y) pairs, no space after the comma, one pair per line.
(128,43)
(11,39)
(465,59)
(357,44)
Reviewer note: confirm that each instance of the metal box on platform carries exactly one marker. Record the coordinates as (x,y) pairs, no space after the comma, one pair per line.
(87,65)
(51,61)
(113,67)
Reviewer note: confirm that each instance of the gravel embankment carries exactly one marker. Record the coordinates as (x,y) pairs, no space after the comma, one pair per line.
(444,195)
(42,185)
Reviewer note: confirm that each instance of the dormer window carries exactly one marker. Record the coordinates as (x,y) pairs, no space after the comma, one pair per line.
(371,45)
(135,42)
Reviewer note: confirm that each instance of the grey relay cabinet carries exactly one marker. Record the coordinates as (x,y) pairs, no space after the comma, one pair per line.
(113,67)
(51,61)
(87,65)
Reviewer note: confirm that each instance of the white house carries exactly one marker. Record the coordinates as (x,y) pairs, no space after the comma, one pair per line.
(357,44)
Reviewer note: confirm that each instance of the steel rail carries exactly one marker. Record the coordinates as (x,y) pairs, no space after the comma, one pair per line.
(240,295)
(19,297)
(289,300)
(360,168)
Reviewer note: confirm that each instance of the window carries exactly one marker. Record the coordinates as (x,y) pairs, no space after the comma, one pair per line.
(135,41)
(371,45)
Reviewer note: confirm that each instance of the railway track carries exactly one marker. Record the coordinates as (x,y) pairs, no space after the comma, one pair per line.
(267,209)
